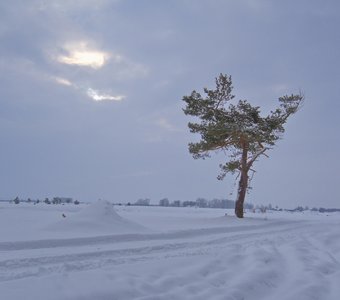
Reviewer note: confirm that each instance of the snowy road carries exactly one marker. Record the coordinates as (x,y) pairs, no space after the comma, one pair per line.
(258,259)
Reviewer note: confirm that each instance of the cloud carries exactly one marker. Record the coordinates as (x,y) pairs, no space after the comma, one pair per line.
(98,96)
(86,53)
(80,54)
(63,81)
(90,92)
(91,59)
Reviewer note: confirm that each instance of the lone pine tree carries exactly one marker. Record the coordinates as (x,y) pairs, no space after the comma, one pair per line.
(237,129)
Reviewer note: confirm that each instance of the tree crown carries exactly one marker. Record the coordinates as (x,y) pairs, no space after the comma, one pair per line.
(226,126)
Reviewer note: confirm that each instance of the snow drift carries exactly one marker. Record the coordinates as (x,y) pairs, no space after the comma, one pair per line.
(99,217)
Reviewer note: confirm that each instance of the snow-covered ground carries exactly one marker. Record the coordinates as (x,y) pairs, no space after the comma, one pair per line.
(97,252)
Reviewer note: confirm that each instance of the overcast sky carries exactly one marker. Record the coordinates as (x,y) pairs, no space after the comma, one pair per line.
(90,96)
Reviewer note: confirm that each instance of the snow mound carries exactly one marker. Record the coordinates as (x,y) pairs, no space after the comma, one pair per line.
(100,210)
(99,217)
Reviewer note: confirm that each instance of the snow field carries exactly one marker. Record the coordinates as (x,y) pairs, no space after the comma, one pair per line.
(176,253)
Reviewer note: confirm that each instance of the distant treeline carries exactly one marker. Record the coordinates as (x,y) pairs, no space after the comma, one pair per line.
(323,210)
(55,200)
(200,202)
(320,209)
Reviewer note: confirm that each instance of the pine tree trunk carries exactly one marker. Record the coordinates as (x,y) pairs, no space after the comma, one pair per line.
(243,183)
(242,190)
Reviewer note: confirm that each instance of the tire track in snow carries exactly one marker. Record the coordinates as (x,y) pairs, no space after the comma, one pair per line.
(286,268)
(22,267)
(107,239)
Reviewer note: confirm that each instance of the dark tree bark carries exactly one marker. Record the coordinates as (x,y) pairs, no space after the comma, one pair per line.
(243,183)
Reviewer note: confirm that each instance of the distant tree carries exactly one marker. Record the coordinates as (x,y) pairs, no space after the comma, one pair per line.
(299,208)
(143,202)
(322,209)
(47,201)
(236,129)
(263,209)
(16,200)
(226,203)
(188,203)
(222,203)
(176,203)
(76,202)
(215,203)
(201,202)
(164,202)
(248,205)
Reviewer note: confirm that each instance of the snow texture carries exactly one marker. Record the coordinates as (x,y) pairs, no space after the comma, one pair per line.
(151,253)
(99,217)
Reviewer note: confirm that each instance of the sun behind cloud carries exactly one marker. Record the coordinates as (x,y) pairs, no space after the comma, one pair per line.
(80,54)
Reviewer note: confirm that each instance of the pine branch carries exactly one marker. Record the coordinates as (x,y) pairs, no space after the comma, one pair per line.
(251,161)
